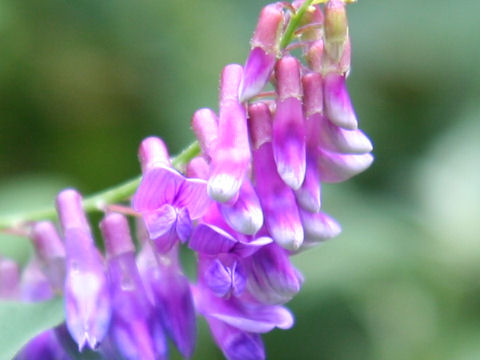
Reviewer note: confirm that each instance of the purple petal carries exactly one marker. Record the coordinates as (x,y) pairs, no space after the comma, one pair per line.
(278,201)
(218,278)
(245,215)
(289,142)
(334,138)
(170,292)
(236,344)
(43,346)
(184,225)
(9,279)
(319,227)
(87,297)
(193,196)
(250,317)
(231,158)
(159,186)
(334,167)
(258,68)
(212,240)
(338,106)
(160,221)
(205,127)
(244,249)
(272,277)
(309,194)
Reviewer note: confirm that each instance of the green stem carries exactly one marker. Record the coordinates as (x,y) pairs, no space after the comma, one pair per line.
(98,201)
(293,24)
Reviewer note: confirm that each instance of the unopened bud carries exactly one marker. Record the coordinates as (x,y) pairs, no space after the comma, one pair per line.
(336,28)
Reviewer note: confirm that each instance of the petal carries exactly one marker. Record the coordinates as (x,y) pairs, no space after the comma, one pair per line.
(193,196)
(335,167)
(245,249)
(218,278)
(236,344)
(319,227)
(210,239)
(245,215)
(160,221)
(333,138)
(338,106)
(184,225)
(272,277)
(309,194)
(278,201)
(258,68)
(159,186)
(289,142)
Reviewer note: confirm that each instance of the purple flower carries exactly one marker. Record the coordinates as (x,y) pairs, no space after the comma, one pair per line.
(170,293)
(87,299)
(236,344)
(277,199)
(231,158)
(51,253)
(338,106)
(135,333)
(318,227)
(262,57)
(43,346)
(9,279)
(288,124)
(272,279)
(168,201)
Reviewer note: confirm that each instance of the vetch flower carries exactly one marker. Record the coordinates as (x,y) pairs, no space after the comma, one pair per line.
(135,332)
(288,135)
(231,158)
(169,292)
(87,299)
(262,57)
(166,199)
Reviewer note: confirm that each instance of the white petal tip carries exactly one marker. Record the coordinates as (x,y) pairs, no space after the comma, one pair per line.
(223,187)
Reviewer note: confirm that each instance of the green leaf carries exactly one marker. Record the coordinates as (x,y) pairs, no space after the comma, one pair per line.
(19,322)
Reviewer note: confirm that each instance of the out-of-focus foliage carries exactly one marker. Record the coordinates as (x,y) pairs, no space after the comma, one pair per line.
(83,81)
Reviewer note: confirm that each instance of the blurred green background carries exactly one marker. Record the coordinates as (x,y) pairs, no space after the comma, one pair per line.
(83,81)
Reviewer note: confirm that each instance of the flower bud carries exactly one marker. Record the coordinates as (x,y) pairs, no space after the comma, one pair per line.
(50,251)
(336,28)
(9,279)
(262,57)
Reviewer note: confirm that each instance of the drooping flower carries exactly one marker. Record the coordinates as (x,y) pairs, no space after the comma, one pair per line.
(262,57)
(136,333)
(87,297)
(288,133)
(231,158)
(169,291)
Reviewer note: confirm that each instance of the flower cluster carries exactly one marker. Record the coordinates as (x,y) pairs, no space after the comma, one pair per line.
(248,202)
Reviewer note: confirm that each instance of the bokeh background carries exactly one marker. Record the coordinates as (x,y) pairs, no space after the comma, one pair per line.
(83,81)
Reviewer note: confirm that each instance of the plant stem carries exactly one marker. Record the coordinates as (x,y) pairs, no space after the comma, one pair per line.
(293,24)
(98,201)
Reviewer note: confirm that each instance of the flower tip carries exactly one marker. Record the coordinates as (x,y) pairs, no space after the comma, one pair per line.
(290,239)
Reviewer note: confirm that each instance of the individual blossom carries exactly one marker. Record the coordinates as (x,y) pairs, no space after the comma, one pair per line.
(265,48)
(231,157)
(169,292)
(135,332)
(9,279)
(282,219)
(244,213)
(50,251)
(166,199)
(288,134)
(87,297)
